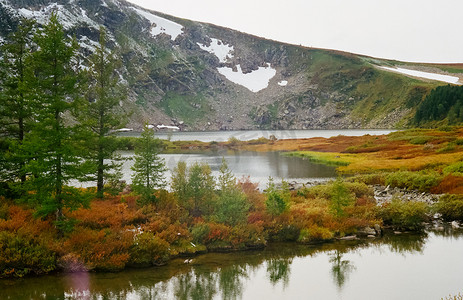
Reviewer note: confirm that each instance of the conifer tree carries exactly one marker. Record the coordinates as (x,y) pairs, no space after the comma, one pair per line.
(103,114)
(231,206)
(16,109)
(52,143)
(277,198)
(148,167)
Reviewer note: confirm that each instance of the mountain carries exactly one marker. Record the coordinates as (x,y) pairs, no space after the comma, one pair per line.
(203,77)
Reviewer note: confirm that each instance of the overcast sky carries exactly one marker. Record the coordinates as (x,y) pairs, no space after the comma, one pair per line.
(407,30)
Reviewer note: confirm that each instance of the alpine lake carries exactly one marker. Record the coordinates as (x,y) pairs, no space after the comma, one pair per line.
(395,266)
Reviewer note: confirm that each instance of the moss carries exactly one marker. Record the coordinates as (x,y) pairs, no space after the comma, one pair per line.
(188,108)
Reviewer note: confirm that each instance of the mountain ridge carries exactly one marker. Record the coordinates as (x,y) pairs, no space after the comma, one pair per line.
(182,81)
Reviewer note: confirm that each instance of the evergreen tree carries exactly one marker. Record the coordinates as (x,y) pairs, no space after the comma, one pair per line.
(277,198)
(194,188)
(340,198)
(148,167)
(201,189)
(231,206)
(102,114)
(52,144)
(16,109)
(180,182)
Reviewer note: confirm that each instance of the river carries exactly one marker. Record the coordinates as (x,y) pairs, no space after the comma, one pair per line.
(406,266)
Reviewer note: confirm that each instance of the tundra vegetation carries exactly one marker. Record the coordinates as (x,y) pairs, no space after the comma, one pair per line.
(47,225)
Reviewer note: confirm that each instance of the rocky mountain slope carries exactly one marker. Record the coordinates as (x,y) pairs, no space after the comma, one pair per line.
(203,77)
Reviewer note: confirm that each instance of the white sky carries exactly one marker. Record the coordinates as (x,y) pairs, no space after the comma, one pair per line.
(407,30)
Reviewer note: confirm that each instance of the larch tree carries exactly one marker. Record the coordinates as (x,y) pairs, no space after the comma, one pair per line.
(149,167)
(103,114)
(53,147)
(231,206)
(16,109)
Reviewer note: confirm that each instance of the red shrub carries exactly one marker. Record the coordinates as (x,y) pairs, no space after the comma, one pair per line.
(450,184)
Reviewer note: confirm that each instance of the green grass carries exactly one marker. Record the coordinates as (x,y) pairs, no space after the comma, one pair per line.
(188,108)
(319,158)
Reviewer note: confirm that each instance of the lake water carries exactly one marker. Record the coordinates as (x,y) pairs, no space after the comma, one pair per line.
(406,266)
(257,165)
(246,135)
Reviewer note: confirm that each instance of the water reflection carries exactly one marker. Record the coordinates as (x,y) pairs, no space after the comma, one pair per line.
(340,268)
(195,286)
(231,281)
(405,244)
(280,270)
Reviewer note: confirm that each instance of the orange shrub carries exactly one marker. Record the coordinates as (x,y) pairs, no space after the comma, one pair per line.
(22,220)
(101,249)
(174,233)
(255,198)
(104,214)
(217,232)
(450,184)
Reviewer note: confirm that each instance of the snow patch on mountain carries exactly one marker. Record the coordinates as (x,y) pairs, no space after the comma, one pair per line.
(161,25)
(254,81)
(283,83)
(67,18)
(218,48)
(427,75)
(89,44)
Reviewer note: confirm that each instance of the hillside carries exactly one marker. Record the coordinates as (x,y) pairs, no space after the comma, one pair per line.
(203,77)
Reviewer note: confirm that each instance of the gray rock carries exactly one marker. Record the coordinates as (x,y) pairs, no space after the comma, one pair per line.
(378,229)
(349,238)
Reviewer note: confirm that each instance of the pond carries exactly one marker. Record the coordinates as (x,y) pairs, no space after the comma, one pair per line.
(406,266)
(257,165)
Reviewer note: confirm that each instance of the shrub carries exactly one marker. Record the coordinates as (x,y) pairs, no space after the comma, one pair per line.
(199,232)
(22,255)
(148,249)
(231,207)
(286,233)
(450,207)
(340,197)
(449,184)
(277,198)
(101,249)
(370,179)
(420,181)
(421,140)
(314,234)
(449,147)
(404,215)
(104,214)
(455,169)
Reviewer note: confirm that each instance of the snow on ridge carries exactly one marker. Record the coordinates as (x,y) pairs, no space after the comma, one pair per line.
(162,126)
(162,25)
(283,83)
(218,48)
(66,17)
(427,75)
(255,81)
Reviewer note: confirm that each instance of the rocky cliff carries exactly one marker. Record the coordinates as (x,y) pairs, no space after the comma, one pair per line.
(203,77)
